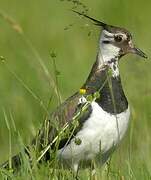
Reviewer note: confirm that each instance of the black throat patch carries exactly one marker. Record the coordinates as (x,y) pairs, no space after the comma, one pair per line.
(112,98)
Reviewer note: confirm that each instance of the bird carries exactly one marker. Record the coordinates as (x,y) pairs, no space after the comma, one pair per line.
(90,124)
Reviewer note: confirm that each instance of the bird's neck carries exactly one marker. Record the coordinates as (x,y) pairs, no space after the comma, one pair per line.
(105,78)
(103,67)
(110,60)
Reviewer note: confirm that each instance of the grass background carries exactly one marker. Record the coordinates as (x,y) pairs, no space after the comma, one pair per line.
(51,27)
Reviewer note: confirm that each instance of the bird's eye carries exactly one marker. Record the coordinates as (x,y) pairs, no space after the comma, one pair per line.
(118,38)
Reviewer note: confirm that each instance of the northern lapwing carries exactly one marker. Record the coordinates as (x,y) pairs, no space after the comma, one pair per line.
(91,123)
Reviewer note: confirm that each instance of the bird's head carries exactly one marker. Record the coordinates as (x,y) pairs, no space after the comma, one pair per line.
(115,42)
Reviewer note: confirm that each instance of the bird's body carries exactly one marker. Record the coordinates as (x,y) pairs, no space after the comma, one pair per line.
(103,123)
(99,136)
(106,121)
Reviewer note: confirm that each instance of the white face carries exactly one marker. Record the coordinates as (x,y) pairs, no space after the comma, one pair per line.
(113,44)
(107,45)
(109,51)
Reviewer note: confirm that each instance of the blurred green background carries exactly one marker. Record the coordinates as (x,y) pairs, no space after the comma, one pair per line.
(51,27)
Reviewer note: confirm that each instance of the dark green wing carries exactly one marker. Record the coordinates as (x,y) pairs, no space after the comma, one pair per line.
(62,122)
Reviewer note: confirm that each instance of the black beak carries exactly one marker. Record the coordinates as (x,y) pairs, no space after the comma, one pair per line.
(96,22)
(138,52)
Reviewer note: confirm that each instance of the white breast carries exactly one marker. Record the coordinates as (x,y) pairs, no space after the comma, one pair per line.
(101,132)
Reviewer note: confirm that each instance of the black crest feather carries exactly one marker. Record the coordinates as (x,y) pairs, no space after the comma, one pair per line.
(96,22)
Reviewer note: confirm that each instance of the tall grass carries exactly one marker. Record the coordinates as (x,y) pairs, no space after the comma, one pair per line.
(29,87)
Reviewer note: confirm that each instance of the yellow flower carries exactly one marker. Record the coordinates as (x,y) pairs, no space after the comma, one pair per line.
(82,91)
(11,170)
